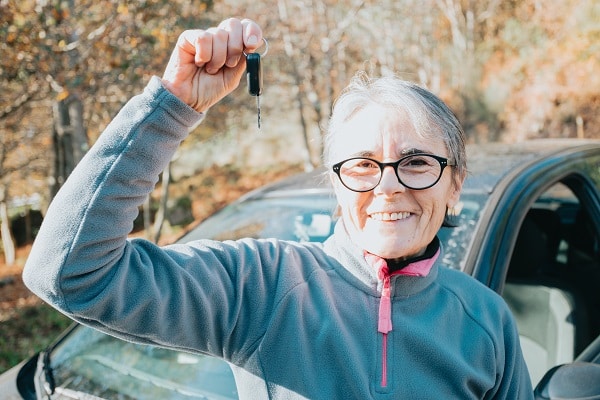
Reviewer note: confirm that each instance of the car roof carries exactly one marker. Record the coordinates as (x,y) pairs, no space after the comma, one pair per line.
(487,164)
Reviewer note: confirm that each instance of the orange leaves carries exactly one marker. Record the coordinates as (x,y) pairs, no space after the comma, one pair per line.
(123,9)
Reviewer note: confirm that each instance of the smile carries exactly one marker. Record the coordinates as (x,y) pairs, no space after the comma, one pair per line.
(394,216)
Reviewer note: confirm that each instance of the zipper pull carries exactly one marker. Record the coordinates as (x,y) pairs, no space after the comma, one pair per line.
(385,305)
(384,323)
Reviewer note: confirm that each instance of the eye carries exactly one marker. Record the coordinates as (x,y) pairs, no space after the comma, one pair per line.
(360,166)
(417,163)
(364,163)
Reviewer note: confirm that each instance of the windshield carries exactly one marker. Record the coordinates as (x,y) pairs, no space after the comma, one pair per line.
(456,240)
(301,218)
(311,218)
(91,362)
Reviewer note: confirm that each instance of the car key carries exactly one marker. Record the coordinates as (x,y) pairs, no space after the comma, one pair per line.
(254,77)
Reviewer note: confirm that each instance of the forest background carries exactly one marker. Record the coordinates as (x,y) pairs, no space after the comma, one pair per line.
(511,70)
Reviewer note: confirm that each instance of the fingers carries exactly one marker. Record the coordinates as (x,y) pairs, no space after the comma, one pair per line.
(252,35)
(235,41)
(206,65)
(221,46)
(220,51)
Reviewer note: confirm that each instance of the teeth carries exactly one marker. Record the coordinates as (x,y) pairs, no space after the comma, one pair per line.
(390,216)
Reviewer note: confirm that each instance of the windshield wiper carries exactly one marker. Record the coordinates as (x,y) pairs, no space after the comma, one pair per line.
(50,384)
(48,377)
(47,373)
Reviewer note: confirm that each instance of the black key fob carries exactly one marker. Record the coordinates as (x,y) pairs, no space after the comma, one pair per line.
(254,74)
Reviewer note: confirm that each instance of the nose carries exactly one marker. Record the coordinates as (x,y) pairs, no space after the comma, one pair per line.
(389,183)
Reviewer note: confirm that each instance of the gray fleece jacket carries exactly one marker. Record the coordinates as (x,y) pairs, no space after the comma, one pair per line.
(295,320)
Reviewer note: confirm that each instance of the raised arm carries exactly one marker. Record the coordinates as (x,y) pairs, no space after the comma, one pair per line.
(82,262)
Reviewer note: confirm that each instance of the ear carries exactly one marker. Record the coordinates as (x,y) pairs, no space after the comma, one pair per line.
(453,205)
(455,191)
(335,182)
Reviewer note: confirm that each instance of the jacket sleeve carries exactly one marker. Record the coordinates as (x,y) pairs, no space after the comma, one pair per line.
(82,262)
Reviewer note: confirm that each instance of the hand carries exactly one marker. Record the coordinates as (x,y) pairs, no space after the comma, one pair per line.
(206,65)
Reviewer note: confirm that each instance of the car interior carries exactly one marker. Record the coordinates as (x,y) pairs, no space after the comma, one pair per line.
(552,281)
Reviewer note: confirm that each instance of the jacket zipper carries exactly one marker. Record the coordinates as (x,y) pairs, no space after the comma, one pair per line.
(384,322)
(384,325)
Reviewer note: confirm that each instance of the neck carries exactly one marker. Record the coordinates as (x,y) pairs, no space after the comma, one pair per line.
(396,264)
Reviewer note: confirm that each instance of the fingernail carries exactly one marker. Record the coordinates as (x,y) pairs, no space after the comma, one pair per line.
(252,40)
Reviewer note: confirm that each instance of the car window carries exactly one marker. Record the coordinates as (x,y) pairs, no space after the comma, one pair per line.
(301,218)
(552,280)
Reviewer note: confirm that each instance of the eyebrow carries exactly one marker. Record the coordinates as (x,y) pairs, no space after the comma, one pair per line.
(413,150)
(364,153)
(403,153)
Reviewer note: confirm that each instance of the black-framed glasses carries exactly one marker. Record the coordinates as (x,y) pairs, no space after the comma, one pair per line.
(416,171)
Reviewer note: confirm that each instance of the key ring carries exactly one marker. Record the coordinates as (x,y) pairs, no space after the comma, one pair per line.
(264,52)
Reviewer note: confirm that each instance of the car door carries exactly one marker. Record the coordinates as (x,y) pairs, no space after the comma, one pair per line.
(540,248)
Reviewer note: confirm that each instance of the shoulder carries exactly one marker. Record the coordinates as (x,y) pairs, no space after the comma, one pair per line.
(479,301)
(461,282)
(467,288)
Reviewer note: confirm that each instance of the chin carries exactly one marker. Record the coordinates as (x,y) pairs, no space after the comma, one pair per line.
(387,251)
(393,250)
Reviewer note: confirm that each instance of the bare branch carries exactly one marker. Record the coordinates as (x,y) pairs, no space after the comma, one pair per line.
(18,102)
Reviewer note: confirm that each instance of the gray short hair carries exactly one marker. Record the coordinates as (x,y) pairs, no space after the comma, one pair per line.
(430,116)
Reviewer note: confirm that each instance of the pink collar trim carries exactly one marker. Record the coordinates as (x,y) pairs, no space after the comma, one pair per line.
(418,268)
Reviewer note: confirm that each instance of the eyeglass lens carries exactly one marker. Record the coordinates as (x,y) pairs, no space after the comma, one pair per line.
(414,172)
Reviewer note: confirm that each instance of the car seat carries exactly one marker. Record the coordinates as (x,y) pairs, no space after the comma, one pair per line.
(548,313)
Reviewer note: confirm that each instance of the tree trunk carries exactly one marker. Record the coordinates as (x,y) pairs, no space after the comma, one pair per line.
(289,52)
(161,214)
(69,139)
(7,242)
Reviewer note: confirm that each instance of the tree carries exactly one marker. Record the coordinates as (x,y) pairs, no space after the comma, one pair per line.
(83,60)
(311,59)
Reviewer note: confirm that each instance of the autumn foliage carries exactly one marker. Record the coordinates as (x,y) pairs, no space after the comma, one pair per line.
(510,69)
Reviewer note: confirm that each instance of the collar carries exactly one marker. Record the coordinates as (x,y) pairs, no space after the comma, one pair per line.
(419,265)
(415,266)
(352,261)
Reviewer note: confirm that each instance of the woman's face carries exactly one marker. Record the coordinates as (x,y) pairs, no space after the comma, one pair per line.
(391,221)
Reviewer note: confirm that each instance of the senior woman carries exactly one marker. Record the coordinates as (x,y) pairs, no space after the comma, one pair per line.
(371,313)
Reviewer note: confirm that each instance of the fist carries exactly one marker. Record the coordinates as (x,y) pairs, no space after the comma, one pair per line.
(206,65)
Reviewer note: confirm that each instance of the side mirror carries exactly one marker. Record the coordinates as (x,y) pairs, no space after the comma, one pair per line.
(580,380)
